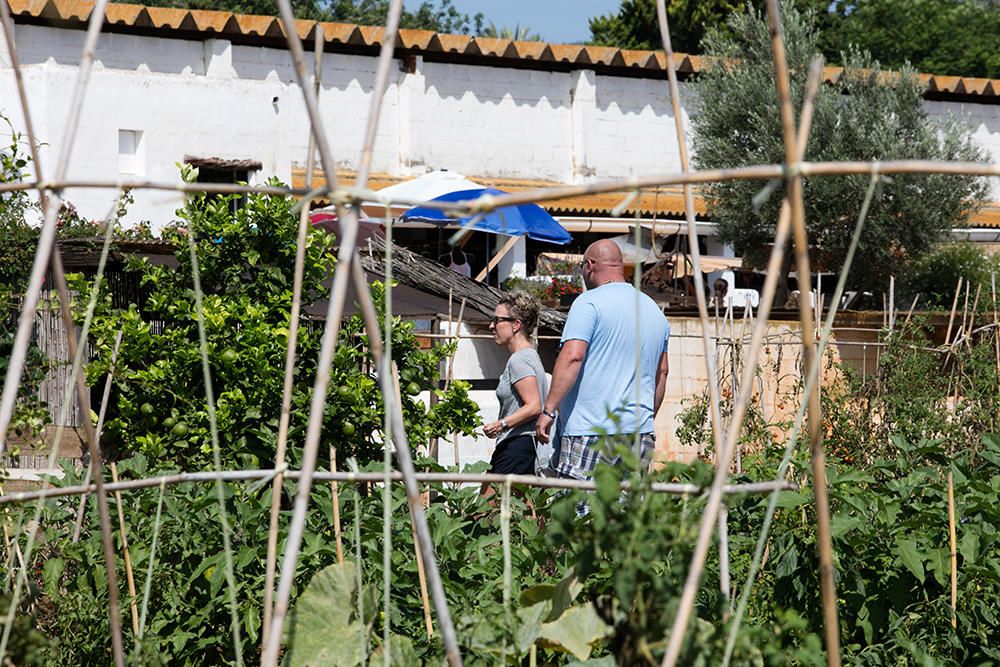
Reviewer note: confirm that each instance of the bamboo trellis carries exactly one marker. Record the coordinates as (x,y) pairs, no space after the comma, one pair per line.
(49,188)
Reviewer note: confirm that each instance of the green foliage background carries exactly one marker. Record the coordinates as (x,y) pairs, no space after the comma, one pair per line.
(594,576)
(865,116)
(956,37)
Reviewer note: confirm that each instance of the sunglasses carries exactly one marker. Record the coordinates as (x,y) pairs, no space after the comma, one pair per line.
(496,320)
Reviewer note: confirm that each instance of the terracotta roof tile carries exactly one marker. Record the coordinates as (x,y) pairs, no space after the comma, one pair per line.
(371,35)
(166,17)
(416,39)
(453,43)
(269,28)
(213,21)
(946,84)
(530,50)
(338,33)
(124,14)
(260,26)
(642,59)
(490,46)
(600,54)
(566,52)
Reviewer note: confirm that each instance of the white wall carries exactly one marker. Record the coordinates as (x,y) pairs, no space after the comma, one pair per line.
(215,99)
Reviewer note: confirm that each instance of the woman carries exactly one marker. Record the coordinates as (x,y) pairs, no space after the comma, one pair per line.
(522,388)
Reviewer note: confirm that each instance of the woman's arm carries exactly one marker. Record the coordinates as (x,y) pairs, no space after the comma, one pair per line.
(527,391)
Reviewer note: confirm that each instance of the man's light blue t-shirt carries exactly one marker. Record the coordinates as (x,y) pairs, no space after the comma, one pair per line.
(604,396)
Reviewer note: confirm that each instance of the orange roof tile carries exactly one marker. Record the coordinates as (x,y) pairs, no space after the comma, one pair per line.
(270,30)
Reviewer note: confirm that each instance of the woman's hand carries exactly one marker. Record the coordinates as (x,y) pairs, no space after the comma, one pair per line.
(493,429)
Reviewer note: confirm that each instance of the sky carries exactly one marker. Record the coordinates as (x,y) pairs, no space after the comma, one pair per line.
(559,21)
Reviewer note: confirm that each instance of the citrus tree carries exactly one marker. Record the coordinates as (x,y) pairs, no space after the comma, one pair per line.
(246,259)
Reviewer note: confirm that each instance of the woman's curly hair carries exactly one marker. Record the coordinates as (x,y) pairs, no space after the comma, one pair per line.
(524,307)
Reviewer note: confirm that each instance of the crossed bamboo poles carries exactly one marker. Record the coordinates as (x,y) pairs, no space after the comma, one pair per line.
(790,222)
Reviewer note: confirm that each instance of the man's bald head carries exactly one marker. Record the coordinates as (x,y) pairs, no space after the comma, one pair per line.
(602,263)
(604,252)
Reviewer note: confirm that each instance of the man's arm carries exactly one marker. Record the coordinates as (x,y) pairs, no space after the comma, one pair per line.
(662,369)
(564,376)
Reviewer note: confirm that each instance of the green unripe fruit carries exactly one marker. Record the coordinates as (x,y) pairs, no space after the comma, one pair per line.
(413,389)
(229,356)
(147,409)
(179,430)
(169,422)
(348,429)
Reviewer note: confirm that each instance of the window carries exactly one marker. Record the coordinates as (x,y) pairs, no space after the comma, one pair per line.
(131,153)
(218,170)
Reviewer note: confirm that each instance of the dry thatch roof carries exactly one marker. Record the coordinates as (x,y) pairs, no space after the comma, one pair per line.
(429,276)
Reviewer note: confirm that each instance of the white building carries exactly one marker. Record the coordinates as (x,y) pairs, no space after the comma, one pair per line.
(219,90)
(171,85)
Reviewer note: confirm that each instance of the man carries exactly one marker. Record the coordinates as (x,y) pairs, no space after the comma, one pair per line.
(595,384)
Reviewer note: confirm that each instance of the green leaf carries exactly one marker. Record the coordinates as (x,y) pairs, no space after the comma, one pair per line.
(604,661)
(323,629)
(791,499)
(576,631)
(843,523)
(968,546)
(401,653)
(52,573)
(561,595)
(907,552)
(529,624)
(608,482)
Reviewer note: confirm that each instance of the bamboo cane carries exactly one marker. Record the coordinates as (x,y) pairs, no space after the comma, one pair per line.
(450,373)
(487,203)
(965,308)
(892,304)
(451,357)
(793,150)
(127,554)
(83,396)
(724,583)
(46,237)
(348,252)
(290,354)
(972,313)
(952,543)
(707,523)
(349,228)
(530,481)
(909,313)
(43,257)
(954,306)
(78,523)
(715,412)
(335,494)
(996,323)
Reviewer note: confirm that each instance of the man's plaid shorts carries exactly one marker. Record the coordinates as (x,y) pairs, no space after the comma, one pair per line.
(580,454)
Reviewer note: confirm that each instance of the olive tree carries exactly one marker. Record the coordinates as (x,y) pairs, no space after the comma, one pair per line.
(866,114)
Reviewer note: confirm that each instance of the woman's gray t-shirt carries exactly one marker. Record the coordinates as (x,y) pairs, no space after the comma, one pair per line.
(521,364)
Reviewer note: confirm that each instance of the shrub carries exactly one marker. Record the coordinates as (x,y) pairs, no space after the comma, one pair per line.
(935,276)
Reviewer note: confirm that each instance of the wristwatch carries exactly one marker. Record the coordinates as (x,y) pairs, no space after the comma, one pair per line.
(549,413)
(503,423)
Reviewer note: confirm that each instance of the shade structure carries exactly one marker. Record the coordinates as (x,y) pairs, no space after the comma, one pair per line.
(528,220)
(423,188)
(645,253)
(326,219)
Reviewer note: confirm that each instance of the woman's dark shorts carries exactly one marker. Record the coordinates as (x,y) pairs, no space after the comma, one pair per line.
(514,456)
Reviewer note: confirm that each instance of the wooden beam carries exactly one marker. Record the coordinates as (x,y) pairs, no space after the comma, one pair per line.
(497,257)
